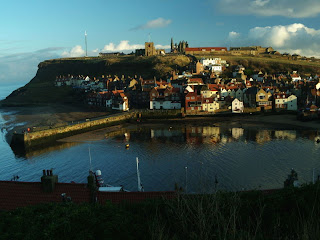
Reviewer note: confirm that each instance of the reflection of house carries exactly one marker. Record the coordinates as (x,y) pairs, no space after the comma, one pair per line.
(237,106)
(264,100)
(237,132)
(285,134)
(263,136)
(211,134)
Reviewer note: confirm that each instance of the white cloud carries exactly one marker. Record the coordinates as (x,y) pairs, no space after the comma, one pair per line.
(125,46)
(76,51)
(122,46)
(156,23)
(286,8)
(294,38)
(233,34)
(158,46)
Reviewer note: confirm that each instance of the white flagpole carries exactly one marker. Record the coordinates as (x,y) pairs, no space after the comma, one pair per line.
(85,35)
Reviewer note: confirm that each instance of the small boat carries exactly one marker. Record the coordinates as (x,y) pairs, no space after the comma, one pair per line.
(102,187)
(127,145)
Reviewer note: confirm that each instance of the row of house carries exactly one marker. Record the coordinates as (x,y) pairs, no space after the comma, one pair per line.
(202,92)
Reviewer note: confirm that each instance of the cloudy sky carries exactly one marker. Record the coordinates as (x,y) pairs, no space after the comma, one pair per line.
(35,30)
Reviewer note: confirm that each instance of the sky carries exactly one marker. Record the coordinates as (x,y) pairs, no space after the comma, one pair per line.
(36,30)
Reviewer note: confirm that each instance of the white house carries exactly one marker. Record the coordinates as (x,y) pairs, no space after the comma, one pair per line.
(237,106)
(295,76)
(210,61)
(215,68)
(292,103)
(281,100)
(209,105)
(318,86)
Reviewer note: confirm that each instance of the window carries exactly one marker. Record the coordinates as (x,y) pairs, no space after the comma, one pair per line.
(188,98)
(192,97)
(261,97)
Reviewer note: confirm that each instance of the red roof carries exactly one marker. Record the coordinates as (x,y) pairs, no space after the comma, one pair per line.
(198,80)
(206,49)
(213,87)
(21,194)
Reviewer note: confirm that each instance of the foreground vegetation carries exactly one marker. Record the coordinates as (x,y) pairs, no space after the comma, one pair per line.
(285,214)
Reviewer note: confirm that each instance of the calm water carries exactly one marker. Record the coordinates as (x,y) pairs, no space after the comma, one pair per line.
(192,157)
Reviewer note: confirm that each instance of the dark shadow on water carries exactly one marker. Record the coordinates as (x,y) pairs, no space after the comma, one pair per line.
(21,152)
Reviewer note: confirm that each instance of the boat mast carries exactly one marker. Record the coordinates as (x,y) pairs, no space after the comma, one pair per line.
(140,187)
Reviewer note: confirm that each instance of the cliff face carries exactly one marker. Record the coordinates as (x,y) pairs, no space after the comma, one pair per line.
(41,89)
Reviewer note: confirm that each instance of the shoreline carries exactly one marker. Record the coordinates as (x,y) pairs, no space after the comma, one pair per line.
(19,119)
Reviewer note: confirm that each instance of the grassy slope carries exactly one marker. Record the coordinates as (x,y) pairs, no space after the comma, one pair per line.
(271,64)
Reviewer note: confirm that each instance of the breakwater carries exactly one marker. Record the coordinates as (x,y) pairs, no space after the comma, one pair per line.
(37,139)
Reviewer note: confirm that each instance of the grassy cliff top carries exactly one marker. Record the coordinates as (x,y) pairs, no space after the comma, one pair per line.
(41,89)
(270,64)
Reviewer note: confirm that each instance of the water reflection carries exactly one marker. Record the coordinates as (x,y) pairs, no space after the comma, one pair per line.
(241,157)
(198,135)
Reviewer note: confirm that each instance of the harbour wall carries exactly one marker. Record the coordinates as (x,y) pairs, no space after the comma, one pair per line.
(43,138)
(36,139)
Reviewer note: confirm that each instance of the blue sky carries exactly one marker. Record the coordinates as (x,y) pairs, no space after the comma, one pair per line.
(35,30)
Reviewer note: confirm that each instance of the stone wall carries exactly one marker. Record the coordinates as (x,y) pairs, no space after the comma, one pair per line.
(35,139)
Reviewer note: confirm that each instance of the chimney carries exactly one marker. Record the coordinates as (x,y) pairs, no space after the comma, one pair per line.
(91,181)
(48,181)
(92,186)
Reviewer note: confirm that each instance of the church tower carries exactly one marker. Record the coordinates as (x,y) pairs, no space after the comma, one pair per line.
(150,49)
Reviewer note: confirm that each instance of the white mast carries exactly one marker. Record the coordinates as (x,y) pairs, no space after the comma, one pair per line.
(85,36)
(140,187)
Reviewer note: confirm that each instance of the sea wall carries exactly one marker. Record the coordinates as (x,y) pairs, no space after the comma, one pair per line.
(41,138)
